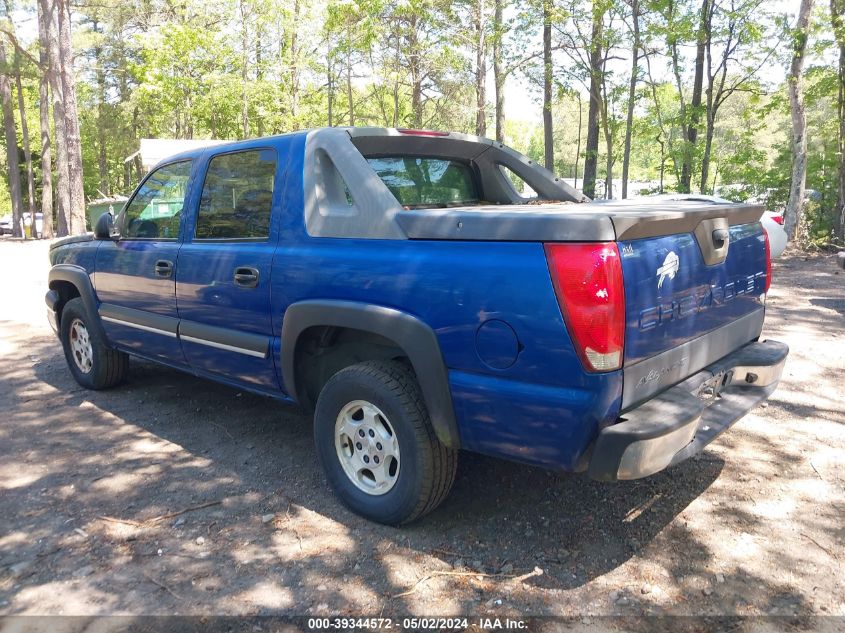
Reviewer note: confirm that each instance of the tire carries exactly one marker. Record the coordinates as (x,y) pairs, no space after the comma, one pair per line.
(391,403)
(94,365)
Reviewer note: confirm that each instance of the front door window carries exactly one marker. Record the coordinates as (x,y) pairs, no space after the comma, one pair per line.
(156,210)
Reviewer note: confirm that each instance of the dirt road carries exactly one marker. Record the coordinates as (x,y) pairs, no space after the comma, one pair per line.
(170,494)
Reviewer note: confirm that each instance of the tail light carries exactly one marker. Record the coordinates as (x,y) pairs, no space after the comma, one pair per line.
(778,219)
(768,261)
(588,283)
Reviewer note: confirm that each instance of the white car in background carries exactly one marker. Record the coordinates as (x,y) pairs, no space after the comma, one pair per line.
(773,223)
(7,223)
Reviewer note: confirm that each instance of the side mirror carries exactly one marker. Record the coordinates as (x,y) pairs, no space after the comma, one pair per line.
(104,230)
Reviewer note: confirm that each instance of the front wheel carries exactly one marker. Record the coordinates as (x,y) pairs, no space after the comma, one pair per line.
(93,364)
(377,446)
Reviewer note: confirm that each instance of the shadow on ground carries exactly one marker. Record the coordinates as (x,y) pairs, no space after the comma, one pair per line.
(165,441)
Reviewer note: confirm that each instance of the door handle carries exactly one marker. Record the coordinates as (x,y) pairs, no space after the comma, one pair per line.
(164,268)
(720,236)
(246,277)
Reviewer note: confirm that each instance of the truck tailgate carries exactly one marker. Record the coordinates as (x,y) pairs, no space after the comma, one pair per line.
(683,313)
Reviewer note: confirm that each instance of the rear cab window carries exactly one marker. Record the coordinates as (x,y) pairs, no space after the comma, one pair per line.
(422,182)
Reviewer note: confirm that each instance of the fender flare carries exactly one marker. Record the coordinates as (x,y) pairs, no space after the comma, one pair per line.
(78,276)
(411,334)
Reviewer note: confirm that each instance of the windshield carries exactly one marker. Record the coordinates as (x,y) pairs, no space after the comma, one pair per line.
(418,182)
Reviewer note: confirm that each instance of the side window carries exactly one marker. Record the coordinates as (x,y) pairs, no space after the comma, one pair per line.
(520,187)
(237,196)
(155,211)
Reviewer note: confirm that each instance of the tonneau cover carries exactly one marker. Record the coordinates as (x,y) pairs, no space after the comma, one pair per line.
(564,222)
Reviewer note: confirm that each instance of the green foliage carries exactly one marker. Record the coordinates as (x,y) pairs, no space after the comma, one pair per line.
(227,69)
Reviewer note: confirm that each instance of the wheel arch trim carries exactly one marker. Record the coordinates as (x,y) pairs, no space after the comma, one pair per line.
(416,339)
(78,277)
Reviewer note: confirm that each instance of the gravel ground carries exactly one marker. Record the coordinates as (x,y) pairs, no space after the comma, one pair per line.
(173,495)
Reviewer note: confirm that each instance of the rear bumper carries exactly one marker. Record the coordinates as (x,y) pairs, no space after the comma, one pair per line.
(682,420)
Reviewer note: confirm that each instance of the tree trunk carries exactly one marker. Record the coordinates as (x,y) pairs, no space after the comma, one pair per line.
(608,140)
(592,147)
(27,150)
(44,120)
(74,143)
(837,12)
(663,138)
(350,103)
(548,131)
(396,85)
(330,88)
(659,139)
(244,70)
(49,10)
(11,146)
(259,73)
(695,103)
(46,160)
(578,143)
(795,206)
(414,55)
(480,70)
(608,137)
(632,91)
(708,149)
(294,64)
(498,71)
(714,100)
(102,150)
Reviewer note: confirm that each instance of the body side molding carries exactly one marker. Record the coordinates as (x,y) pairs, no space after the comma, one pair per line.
(413,336)
(246,343)
(139,319)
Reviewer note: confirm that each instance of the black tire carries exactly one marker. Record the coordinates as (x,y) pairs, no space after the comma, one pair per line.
(426,467)
(107,366)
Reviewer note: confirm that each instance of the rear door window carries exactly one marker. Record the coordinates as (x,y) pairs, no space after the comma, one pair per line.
(237,196)
(419,182)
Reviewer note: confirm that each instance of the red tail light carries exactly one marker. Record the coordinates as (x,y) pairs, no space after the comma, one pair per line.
(588,283)
(768,261)
(778,219)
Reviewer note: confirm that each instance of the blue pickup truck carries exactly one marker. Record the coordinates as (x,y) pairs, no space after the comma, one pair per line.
(424,292)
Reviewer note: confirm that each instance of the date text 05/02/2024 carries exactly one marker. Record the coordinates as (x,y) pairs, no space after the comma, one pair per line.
(415,623)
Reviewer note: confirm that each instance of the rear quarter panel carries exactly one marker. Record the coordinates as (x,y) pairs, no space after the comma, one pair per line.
(543,408)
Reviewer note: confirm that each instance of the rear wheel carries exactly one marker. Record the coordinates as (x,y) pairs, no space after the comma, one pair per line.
(377,446)
(93,364)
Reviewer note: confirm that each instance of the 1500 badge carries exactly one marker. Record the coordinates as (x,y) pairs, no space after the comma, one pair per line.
(700,299)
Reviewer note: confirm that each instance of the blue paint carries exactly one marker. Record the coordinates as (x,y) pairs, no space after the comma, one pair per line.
(518,387)
(691,289)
